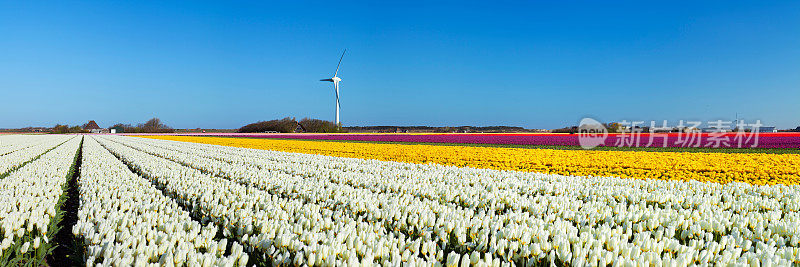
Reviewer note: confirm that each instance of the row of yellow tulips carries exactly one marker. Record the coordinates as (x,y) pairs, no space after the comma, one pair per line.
(753,168)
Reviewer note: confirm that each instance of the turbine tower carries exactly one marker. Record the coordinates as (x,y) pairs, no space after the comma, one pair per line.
(336,81)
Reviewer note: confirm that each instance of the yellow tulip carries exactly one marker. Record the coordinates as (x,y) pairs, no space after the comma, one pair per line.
(752,168)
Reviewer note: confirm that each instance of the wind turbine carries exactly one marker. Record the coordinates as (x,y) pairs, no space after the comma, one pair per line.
(336,81)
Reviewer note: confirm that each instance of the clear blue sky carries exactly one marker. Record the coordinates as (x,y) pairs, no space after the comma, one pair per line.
(542,64)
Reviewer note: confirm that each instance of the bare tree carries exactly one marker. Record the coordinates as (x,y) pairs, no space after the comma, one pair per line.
(154,125)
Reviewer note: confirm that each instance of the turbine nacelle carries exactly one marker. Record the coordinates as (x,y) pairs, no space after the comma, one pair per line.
(334,79)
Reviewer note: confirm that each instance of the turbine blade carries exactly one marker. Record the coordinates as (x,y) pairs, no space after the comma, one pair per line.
(326,80)
(340,63)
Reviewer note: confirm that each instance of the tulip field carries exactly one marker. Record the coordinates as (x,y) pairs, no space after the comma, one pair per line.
(752,168)
(657,140)
(149,201)
(35,172)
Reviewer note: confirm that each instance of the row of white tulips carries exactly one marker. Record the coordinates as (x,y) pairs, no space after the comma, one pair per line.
(32,148)
(463,186)
(28,201)
(124,220)
(11,143)
(405,215)
(579,220)
(285,231)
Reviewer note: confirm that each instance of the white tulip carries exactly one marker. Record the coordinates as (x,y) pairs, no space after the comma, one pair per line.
(294,201)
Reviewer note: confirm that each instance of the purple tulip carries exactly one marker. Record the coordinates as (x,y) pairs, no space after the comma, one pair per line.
(763,140)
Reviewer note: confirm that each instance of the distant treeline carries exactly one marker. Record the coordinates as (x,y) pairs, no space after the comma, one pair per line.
(26,130)
(62,129)
(610,127)
(291,125)
(85,128)
(429,129)
(153,125)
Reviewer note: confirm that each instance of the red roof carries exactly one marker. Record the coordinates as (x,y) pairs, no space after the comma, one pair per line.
(90,125)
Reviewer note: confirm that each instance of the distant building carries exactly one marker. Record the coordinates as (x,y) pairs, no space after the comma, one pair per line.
(766,129)
(91,126)
(762,129)
(714,130)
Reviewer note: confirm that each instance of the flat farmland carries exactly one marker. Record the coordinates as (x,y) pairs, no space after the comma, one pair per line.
(151,201)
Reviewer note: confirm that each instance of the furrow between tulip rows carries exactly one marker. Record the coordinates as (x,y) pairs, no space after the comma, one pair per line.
(67,250)
(32,196)
(286,230)
(125,220)
(576,220)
